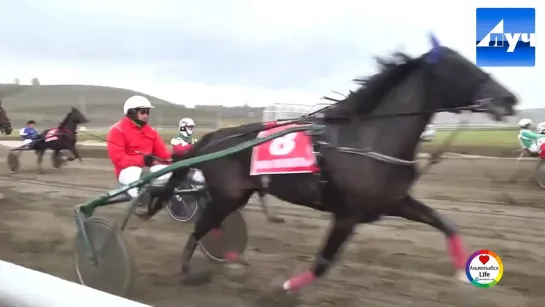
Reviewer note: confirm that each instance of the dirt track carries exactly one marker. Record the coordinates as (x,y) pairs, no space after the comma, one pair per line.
(390,263)
(99,152)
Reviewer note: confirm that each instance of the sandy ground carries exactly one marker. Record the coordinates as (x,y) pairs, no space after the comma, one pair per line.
(390,263)
(99,152)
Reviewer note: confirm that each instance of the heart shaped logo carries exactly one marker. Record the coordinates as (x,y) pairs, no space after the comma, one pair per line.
(484,259)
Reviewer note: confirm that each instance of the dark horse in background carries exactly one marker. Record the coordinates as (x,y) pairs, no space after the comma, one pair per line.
(367,159)
(64,137)
(5,124)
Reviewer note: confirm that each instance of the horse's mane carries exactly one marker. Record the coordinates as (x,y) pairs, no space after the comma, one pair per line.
(373,88)
(65,120)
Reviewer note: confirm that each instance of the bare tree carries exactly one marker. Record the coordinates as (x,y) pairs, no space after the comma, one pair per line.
(35,82)
(17,81)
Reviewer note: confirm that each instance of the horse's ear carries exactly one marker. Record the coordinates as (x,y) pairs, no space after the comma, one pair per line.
(435,53)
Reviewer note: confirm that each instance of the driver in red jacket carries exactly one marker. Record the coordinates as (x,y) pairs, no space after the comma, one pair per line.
(133,144)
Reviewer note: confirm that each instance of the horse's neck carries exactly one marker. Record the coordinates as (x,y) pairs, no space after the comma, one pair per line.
(396,136)
(69,126)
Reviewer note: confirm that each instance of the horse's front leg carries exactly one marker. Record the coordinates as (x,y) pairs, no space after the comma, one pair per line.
(75,151)
(273,218)
(414,210)
(283,292)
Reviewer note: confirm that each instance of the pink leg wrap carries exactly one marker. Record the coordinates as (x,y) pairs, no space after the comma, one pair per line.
(299,281)
(231,256)
(457,252)
(217,233)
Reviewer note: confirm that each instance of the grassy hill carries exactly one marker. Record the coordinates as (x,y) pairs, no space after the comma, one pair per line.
(48,104)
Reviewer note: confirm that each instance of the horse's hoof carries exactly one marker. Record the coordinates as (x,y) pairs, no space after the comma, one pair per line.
(236,271)
(197,278)
(142,214)
(461,276)
(276,296)
(276,219)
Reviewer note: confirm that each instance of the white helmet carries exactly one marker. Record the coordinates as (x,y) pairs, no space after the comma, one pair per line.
(186,125)
(186,122)
(525,123)
(136,102)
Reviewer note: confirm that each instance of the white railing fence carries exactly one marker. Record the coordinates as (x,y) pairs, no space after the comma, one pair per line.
(23,287)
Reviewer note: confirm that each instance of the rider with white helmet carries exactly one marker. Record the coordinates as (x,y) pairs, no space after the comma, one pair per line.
(184,140)
(133,144)
(527,137)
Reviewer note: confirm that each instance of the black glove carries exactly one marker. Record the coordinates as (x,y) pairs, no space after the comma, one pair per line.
(148,160)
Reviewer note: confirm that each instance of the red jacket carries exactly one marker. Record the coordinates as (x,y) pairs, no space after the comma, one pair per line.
(128,143)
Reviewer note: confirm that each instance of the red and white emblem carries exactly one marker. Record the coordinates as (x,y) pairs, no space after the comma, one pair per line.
(51,135)
(288,154)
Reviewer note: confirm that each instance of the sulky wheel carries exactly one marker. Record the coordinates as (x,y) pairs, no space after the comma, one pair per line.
(114,271)
(13,162)
(540,174)
(234,232)
(184,208)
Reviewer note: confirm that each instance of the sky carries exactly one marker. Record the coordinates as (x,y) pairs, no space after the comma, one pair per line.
(235,52)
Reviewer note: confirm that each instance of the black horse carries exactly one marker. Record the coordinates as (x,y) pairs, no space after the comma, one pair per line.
(5,124)
(367,157)
(64,137)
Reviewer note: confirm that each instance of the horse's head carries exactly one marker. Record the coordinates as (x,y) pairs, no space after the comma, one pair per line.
(440,80)
(77,117)
(5,124)
(455,82)
(73,119)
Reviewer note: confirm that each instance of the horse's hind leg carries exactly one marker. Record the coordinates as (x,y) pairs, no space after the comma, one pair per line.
(414,210)
(210,220)
(39,160)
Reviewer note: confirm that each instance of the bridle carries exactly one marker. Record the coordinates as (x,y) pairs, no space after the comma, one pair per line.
(479,106)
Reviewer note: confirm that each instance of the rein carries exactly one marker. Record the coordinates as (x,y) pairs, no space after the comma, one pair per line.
(432,160)
(435,157)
